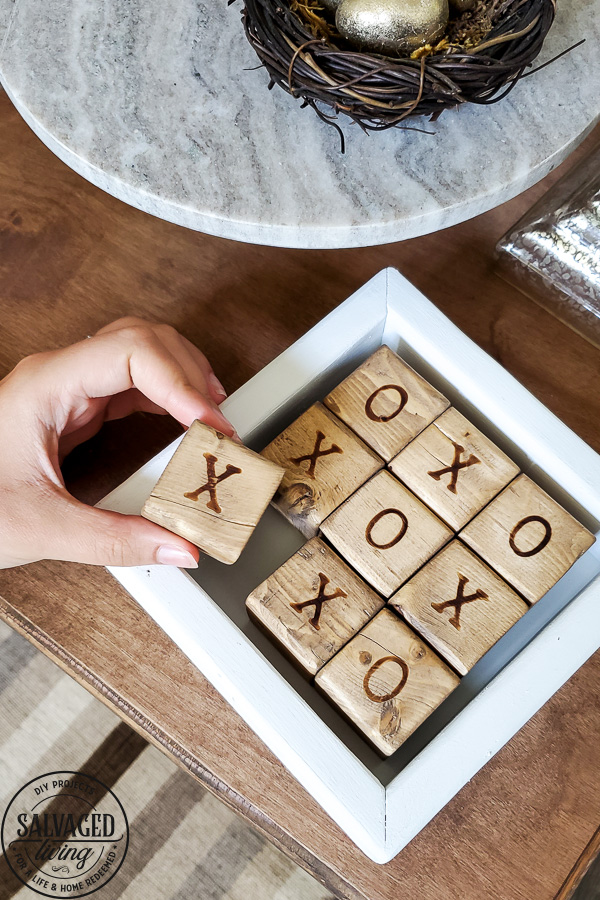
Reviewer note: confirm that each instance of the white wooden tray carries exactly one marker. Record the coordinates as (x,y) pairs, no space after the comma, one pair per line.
(381,805)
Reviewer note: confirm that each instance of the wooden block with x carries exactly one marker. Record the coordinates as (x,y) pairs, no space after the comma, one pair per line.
(324,463)
(312,605)
(454,468)
(213,492)
(459,605)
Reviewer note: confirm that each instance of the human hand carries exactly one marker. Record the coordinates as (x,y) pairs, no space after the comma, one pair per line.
(51,402)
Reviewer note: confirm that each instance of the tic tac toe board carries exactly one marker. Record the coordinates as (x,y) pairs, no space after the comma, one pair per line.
(382,803)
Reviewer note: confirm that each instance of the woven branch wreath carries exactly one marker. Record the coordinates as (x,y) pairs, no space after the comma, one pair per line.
(308,59)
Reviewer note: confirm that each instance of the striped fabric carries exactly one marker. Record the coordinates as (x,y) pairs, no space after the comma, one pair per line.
(184,844)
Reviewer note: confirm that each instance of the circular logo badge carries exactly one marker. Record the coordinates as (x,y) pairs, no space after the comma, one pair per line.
(65,833)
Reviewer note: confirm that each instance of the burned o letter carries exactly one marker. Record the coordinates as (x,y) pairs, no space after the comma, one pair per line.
(401,404)
(540,546)
(376,519)
(381,698)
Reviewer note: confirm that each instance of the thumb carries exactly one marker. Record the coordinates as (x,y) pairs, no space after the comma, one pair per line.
(104,538)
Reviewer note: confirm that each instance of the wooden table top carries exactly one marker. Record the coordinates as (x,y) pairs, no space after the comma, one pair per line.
(72,259)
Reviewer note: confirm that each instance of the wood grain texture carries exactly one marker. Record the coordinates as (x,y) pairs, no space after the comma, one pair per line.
(459,605)
(312,632)
(73,259)
(386,402)
(213,492)
(527,538)
(385,532)
(386,681)
(324,463)
(454,468)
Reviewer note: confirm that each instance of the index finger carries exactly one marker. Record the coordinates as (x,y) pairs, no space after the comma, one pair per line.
(132,357)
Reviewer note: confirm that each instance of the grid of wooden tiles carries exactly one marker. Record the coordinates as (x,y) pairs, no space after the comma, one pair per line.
(404,529)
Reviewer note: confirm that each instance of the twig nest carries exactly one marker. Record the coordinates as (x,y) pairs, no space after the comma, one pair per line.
(483,54)
(392,26)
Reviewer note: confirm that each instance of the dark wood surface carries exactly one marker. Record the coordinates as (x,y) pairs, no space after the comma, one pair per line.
(72,259)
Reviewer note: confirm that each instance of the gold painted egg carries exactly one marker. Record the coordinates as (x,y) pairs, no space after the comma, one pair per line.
(392,26)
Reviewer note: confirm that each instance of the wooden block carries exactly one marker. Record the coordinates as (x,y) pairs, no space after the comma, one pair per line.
(385,532)
(386,402)
(527,537)
(312,605)
(213,492)
(386,681)
(324,463)
(454,468)
(459,605)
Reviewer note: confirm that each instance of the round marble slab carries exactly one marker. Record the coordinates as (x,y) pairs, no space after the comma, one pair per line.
(159,103)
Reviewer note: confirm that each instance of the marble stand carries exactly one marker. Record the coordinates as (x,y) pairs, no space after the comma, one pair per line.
(154,103)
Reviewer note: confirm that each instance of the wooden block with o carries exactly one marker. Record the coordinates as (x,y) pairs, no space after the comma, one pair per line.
(386,402)
(527,537)
(454,468)
(213,492)
(324,463)
(386,680)
(459,605)
(312,605)
(385,532)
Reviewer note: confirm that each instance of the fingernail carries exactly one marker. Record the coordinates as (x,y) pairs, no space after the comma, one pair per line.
(217,386)
(173,556)
(227,426)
